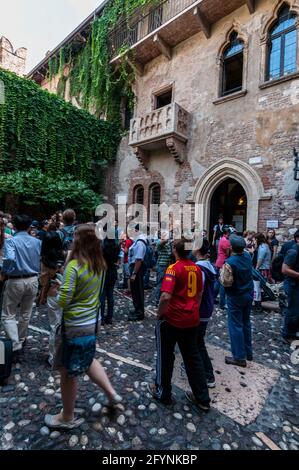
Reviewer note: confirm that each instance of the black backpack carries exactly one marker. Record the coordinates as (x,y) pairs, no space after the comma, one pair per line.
(277,263)
(276,270)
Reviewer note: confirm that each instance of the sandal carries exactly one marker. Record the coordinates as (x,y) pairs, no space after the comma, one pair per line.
(110,402)
(53,421)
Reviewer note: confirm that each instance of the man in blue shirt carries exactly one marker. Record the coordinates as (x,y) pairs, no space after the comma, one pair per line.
(21,266)
(137,254)
(239,302)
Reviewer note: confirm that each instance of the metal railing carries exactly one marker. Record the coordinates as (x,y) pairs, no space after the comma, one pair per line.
(128,33)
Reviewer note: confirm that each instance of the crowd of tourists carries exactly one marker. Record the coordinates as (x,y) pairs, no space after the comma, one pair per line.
(64,265)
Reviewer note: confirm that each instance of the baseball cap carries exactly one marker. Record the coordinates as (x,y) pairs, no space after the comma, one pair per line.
(238,243)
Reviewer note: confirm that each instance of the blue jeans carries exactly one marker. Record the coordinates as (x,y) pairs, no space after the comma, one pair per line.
(160,276)
(239,325)
(291,319)
(108,293)
(219,288)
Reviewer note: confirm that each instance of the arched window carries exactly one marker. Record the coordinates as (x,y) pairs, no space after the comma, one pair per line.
(233,59)
(282,50)
(139,195)
(155,194)
(154,203)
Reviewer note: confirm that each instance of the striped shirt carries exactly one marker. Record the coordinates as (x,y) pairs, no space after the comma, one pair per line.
(164,254)
(79,295)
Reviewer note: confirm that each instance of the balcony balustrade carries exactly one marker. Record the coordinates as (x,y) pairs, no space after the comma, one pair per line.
(166,127)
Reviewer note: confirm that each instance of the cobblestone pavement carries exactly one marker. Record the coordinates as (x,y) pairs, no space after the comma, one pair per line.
(128,353)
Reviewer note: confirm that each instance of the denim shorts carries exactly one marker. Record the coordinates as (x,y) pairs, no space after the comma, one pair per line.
(71,332)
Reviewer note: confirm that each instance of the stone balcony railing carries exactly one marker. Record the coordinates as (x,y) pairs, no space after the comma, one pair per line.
(166,127)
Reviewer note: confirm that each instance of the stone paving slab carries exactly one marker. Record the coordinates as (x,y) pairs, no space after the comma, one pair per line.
(240,393)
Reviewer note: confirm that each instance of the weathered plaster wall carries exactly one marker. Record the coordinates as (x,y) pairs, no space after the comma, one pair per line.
(10,59)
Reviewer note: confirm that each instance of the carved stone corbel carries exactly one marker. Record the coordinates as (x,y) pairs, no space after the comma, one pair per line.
(177,149)
(143,157)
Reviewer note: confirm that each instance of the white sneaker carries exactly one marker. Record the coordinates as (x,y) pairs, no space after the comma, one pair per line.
(211,384)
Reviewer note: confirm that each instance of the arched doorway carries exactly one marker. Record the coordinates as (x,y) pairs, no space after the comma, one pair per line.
(229,200)
(220,172)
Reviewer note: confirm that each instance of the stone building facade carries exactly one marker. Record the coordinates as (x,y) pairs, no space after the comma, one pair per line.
(10,59)
(216,116)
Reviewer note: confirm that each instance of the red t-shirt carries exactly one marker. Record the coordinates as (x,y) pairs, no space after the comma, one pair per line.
(128,243)
(184,281)
(223,246)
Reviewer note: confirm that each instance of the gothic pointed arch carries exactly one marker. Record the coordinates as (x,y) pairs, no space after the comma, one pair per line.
(272,17)
(242,35)
(277,44)
(232,61)
(219,172)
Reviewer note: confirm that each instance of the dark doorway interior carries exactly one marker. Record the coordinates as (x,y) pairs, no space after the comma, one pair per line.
(229,200)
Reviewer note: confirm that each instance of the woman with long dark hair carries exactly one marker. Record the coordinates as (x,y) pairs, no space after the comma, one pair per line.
(79,298)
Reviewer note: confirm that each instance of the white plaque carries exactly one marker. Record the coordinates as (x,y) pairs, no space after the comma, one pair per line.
(272,224)
(255,160)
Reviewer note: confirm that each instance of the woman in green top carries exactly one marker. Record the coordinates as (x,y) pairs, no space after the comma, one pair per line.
(79,297)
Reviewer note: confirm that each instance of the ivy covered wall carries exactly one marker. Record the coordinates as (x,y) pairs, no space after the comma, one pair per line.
(94,82)
(39,131)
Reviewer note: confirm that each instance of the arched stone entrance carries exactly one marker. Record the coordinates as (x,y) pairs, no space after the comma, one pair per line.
(230,201)
(217,174)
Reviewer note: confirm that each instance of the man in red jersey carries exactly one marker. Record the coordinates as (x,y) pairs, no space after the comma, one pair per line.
(178,320)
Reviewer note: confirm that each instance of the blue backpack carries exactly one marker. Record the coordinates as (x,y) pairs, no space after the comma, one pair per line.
(149,258)
(67,240)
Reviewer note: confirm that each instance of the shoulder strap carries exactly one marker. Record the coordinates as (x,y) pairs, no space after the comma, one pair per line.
(143,241)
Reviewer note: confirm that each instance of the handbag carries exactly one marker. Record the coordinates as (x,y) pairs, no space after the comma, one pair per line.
(78,353)
(226,275)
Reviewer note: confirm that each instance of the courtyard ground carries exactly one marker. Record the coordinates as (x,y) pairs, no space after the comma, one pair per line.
(252,408)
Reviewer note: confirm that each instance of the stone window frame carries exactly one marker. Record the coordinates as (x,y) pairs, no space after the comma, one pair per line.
(160,91)
(236,27)
(269,22)
(136,188)
(151,186)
